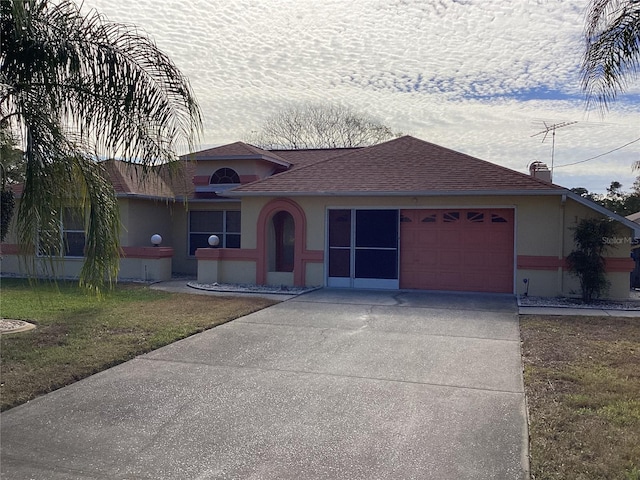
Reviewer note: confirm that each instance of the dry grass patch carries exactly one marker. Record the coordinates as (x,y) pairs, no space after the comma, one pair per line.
(78,334)
(582,380)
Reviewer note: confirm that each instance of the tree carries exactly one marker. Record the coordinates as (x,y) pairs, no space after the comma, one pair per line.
(11,172)
(618,201)
(80,89)
(592,237)
(583,192)
(615,198)
(612,54)
(320,126)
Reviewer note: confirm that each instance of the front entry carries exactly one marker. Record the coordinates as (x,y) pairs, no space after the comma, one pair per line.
(363,248)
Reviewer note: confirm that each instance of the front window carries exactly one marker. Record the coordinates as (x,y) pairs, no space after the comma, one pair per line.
(223,223)
(64,237)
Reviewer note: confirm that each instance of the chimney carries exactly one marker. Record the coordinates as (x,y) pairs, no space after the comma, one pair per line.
(540,171)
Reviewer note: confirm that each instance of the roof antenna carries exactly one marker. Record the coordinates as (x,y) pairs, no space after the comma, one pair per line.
(552,128)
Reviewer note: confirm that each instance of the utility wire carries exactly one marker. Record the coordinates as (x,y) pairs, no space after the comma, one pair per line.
(601,155)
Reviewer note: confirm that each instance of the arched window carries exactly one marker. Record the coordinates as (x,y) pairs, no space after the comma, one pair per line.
(284,241)
(224,176)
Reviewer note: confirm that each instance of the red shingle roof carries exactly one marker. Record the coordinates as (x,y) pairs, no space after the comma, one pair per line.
(163,182)
(405,165)
(300,158)
(402,165)
(133,179)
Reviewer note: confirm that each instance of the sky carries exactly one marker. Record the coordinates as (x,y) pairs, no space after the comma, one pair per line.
(481,77)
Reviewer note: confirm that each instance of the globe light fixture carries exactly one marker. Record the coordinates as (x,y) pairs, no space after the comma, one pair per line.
(156,239)
(214,241)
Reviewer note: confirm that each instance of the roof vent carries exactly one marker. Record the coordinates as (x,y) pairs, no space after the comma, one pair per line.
(540,171)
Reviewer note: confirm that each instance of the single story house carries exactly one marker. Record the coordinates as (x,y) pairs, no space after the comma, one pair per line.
(404,214)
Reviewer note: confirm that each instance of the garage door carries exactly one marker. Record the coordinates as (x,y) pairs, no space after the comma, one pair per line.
(457,249)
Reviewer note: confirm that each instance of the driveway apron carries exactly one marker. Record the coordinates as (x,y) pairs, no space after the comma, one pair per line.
(334,384)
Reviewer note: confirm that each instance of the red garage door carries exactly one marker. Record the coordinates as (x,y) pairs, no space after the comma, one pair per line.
(457,249)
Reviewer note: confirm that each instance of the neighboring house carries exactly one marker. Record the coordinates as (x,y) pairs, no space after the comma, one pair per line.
(635,253)
(404,214)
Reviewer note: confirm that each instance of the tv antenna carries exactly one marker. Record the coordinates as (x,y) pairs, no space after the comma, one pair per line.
(552,128)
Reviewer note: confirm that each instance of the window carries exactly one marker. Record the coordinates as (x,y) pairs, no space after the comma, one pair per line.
(340,243)
(223,223)
(284,241)
(73,236)
(66,237)
(224,176)
(475,217)
(450,217)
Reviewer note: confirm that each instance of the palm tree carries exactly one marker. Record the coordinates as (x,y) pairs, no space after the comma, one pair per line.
(80,89)
(612,56)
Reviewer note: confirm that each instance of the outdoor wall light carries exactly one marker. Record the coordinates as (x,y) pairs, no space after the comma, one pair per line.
(156,239)
(214,241)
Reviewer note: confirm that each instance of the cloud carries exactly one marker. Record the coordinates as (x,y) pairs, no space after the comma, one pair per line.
(477,76)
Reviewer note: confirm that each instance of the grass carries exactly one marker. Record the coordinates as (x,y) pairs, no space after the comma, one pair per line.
(78,334)
(582,381)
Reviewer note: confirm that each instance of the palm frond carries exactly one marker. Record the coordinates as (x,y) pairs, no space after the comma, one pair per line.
(83,89)
(109,83)
(612,54)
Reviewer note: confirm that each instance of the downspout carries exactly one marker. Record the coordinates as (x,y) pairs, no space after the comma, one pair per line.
(563,213)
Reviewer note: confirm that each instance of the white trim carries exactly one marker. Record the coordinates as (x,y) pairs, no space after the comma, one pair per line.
(338,282)
(377,283)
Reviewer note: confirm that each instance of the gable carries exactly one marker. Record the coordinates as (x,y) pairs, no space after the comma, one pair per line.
(238,151)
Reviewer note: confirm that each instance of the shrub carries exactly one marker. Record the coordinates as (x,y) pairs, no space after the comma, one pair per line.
(587,261)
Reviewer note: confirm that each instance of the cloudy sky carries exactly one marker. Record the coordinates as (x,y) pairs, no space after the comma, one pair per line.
(478,76)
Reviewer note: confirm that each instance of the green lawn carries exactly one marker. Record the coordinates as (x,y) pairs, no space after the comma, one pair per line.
(582,380)
(78,334)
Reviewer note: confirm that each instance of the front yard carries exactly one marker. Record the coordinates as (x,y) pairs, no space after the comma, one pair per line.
(78,334)
(582,374)
(582,381)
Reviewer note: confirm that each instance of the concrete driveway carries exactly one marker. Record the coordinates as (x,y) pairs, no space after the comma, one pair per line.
(330,385)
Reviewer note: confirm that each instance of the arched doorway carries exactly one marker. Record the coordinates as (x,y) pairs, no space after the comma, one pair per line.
(280,243)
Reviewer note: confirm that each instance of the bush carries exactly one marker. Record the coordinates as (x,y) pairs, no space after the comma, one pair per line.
(587,260)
